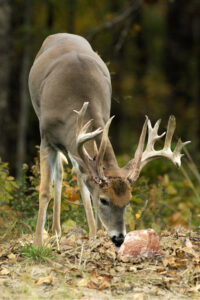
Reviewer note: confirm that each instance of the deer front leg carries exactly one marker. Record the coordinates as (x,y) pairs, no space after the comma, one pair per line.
(85,195)
(45,194)
(56,229)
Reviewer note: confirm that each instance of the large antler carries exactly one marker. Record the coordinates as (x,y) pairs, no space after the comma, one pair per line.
(142,158)
(93,164)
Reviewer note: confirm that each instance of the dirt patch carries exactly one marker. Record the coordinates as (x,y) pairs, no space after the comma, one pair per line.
(91,269)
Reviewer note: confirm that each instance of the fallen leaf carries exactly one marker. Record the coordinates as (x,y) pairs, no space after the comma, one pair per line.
(196,288)
(12,256)
(168,282)
(180,253)
(188,244)
(161,271)
(138,214)
(172,262)
(83,282)
(98,282)
(107,245)
(172,273)
(44,280)
(168,261)
(190,251)
(197,269)
(133,269)
(3,251)
(111,254)
(4,271)
(139,296)
(57,270)
(120,269)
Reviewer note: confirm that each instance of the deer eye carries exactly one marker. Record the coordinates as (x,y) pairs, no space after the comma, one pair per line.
(104,201)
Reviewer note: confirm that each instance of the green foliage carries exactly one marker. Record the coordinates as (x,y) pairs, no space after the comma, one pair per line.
(163,197)
(36,253)
(8,185)
(72,210)
(25,199)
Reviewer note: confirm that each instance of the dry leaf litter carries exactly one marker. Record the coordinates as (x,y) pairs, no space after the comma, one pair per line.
(82,264)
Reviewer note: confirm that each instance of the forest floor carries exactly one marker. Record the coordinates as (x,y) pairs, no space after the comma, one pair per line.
(91,269)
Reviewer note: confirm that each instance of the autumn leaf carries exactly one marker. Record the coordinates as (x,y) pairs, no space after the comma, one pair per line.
(98,282)
(138,214)
(70,192)
(172,262)
(180,253)
(4,271)
(44,280)
(83,282)
(12,256)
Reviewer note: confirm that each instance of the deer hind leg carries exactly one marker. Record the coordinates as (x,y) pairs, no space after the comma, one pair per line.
(46,172)
(58,177)
(85,195)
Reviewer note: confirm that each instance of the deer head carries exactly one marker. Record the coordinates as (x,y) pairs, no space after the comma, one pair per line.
(111,188)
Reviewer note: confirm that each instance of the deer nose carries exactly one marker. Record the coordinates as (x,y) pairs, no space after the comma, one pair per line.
(118,240)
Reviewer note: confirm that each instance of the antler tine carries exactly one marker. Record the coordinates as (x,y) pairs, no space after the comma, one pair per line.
(170,131)
(95,149)
(176,154)
(103,146)
(81,114)
(153,135)
(138,152)
(82,136)
(135,163)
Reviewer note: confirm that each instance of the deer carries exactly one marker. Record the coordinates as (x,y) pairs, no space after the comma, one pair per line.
(70,89)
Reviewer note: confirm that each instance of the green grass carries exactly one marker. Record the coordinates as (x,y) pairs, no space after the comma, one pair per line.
(37,253)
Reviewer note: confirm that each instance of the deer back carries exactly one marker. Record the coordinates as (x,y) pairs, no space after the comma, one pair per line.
(65,74)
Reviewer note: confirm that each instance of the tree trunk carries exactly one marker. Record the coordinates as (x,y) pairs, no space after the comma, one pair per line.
(196,34)
(5,14)
(24,95)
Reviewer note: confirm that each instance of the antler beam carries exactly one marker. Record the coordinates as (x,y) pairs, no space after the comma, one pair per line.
(150,153)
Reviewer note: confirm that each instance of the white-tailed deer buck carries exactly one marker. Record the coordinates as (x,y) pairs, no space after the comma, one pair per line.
(70,89)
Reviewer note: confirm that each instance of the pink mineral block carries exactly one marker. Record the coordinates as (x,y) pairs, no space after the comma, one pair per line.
(143,243)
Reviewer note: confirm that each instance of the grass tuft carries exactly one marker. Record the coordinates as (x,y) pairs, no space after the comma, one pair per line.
(37,253)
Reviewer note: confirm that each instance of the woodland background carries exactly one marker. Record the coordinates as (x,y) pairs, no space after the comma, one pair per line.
(152,48)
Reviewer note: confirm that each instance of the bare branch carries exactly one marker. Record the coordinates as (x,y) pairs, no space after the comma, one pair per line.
(135,4)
